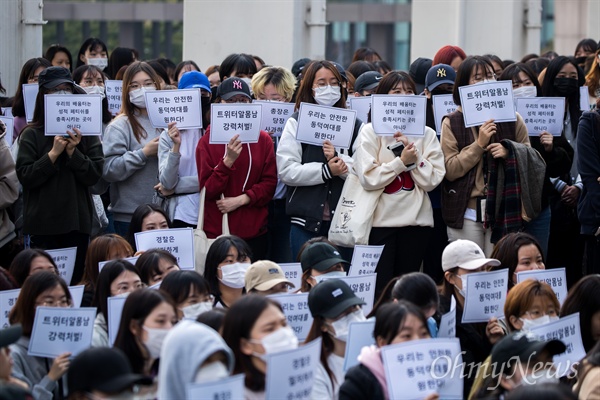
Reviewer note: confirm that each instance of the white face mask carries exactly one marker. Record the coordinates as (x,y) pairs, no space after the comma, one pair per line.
(528,324)
(525,91)
(341,326)
(100,62)
(154,341)
(234,274)
(328,95)
(463,291)
(211,372)
(332,274)
(280,340)
(538,377)
(137,97)
(95,90)
(192,311)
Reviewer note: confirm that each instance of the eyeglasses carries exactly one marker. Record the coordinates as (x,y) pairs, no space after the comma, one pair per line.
(147,84)
(234,100)
(323,85)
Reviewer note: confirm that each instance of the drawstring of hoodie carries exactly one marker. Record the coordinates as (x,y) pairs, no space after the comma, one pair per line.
(249,165)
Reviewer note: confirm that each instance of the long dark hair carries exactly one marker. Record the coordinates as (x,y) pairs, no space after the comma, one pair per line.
(305,91)
(141,212)
(239,63)
(583,299)
(390,319)
(119,57)
(507,252)
(93,71)
(109,273)
(21,264)
(466,68)
(217,253)
(415,287)
(327,344)
(18,106)
(57,48)
(90,44)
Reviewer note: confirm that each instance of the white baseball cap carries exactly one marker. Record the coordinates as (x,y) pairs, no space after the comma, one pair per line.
(465,254)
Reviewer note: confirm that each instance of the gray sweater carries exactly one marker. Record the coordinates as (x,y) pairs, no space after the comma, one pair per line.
(131,173)
(33,370)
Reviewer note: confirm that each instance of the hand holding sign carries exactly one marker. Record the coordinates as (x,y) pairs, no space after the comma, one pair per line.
(486,131)
(234,148)
(60,366)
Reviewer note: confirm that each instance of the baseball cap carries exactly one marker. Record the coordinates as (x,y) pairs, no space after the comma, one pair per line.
(320,256)
(194,79)
(232,87)
(104,369)
(299,66)
(341,70)
(438,75)
(263,275)
(330,298)
(367,81)
(418,72)
(10,335)
(466,255)
(51,77)
(523,345)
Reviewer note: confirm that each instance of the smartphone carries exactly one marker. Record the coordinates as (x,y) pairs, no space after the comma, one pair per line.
(396,148)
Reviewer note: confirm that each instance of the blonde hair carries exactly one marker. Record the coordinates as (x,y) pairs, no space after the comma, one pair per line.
(280,77)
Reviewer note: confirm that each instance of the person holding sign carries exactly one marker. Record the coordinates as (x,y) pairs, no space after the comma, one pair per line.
(518,252)
(29,262)
(406,169)
(239,179)
(131,147)
(154,265)
(394,323)
(469,154)
(43,376)
(9,194)
(56,174)
(254,327)
(333,306)
(190,292)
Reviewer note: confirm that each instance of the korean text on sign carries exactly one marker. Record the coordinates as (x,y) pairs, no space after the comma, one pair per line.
(114,90)
(555,277)
(363,287)
(230,388)
(364,260)
(296,311)
(8,299)
(64,112)
(484,101)
(486,295)
(65,261)
(447,328)
(542,114)
(228,120)
(180,106)
(274,116)
(177,241)
(393,113)
(319,123)
(443,104)
(293,273)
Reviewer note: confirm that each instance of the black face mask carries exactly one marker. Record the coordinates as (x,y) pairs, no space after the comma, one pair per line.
(566,86)
(439,91)
(580,60)
(205,111)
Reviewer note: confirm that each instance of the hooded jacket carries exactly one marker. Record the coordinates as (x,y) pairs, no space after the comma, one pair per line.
(184,350)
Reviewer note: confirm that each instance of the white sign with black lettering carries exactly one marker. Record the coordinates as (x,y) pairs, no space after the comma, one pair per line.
(64,112)
(542,114)
(398,113)
(8,299)
(486,295)
(65,261)
(319,123)
(76,295)
(484,101)
(362,106)
(447,328)
(114,90)
(556,278)
(584,99)
(360,334)
(30,92)
(364,260)
(363,287)
(115,309)
(181,106)
(293,273)
(10,127)
(297,313)
(443,104)
(132,260)
(228,120)
(229,388)
(274,116)
(177,241)
(58,330)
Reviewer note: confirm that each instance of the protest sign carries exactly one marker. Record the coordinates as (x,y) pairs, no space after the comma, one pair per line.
(584,99)
(132,260)
(486,295)
(447,328)
(10,127)
(484,101)
(364,260)
(319,123)
(30,92)
(8,299)
(293,273)
(181,106)
(64,112)
(228,120)
(58,330)
(7,111)
(542,114)
(291,373)
(360,334)
(295,308)
(229,388)
(398,113)
(76,295)
(65,261)
(363,287)
(114,90)
(556,278)
(443,104)
(362,106)
(115,309)
(177,241)
(274,116)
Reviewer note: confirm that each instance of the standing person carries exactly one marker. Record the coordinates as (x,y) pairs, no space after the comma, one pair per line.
(56,174)
(93,52)
(592,80)
(238,179)
(9,193)
(92,80)
(314,174)
(131,147)
(120,57)
(451,55)
(468,152)
(59,56)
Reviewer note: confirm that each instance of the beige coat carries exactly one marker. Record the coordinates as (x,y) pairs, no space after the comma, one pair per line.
(9,189)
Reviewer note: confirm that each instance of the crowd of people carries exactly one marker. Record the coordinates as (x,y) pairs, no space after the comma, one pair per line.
(443,205)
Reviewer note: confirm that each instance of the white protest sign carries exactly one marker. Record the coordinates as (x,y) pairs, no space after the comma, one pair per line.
(443,104)
(274,116)
(568,331)
(228,120)
(30,92)
(396,113)
(295,308)
(65,261)
(222,389)
(76,295)
(360,334)
(416,369)
(486,295)
(542,114)
(293,273)
(485,101)
(132,260)
(362,106)
(57,330)
(319,123)
(291,373)
(7,111)
(447,328)
(181,106)
(115,309)
(364,260)
(63,112)
(114,89)
(8,299)
(363,287)
(584,99)
(556,278)
(177,241)
(9,122)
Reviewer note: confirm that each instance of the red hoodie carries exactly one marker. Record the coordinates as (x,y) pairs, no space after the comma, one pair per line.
(248,221)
